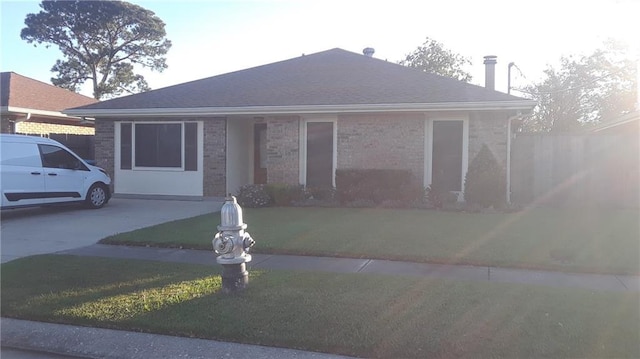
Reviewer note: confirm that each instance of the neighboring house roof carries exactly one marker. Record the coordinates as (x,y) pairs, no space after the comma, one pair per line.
(24,96)
(332,80)
(618,121)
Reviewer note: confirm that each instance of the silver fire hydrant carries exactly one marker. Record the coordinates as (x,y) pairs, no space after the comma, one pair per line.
(232,244)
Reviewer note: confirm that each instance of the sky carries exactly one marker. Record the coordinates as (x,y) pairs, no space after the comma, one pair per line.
(215,37)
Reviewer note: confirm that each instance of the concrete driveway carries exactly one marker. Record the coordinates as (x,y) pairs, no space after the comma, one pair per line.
(26,232)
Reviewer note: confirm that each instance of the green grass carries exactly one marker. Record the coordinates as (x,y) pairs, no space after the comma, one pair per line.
(581,240)
(350,314)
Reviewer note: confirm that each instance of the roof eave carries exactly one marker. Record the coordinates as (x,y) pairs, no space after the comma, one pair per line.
(630,117)
(28,112)
(302,109)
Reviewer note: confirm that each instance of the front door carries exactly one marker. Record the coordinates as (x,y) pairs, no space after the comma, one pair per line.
(260,153)
(319,154)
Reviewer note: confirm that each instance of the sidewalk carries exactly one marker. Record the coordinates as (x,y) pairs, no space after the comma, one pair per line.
(105,343)
(374,266)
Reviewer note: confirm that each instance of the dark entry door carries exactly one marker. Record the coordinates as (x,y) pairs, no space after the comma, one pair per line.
(319,153)
(447,155)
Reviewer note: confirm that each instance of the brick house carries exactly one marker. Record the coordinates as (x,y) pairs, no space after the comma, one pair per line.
(32,107)
(296,122)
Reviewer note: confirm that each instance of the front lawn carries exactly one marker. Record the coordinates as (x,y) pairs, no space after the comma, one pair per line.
(582,240)
(349,314)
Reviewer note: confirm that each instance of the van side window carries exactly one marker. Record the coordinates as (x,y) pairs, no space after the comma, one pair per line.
(19,154)
(56,157)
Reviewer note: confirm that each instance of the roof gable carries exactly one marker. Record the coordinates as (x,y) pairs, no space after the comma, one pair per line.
(23,92)
(333,77)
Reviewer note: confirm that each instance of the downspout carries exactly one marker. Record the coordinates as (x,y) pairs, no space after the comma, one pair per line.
(14,123)
(509,135)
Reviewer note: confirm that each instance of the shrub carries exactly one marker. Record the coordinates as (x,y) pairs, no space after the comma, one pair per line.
(439,197)
(253,196)
(320,193)
(485,182)
(284,194)
(373,185)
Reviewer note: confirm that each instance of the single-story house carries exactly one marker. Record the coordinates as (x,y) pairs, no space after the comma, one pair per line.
(296,122)
(28,106)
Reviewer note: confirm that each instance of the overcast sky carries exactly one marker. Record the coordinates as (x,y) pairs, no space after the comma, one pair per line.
(215,37)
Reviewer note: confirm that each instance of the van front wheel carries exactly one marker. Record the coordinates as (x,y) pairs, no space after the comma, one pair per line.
(96,196)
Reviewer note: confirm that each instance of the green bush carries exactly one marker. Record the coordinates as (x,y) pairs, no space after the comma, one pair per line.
(284,194)
(485,182)
(376,186)
(320,193)
(439,197)
(253,196)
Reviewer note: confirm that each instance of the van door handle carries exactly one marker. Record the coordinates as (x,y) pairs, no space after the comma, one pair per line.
(36,173)
(52,174)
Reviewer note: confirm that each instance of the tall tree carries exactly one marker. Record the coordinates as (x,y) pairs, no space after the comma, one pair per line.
(433,57)
(584,90)
(102,42)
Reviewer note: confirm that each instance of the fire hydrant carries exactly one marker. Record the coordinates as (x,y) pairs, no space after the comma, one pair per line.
(232,244)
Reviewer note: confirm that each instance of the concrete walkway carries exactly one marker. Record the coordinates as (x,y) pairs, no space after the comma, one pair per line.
(374,266)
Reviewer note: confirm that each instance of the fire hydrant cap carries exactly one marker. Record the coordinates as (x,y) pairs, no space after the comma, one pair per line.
(231,215)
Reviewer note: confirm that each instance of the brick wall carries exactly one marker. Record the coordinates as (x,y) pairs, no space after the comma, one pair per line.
(215,157)
(283,149)
(6,126)
(488,128)
(105,146)
(382,141)
(39,128)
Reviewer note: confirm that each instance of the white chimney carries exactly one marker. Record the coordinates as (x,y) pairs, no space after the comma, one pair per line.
(490,71)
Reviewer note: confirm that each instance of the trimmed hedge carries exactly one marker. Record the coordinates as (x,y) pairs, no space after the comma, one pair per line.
(284,194)
(377,186)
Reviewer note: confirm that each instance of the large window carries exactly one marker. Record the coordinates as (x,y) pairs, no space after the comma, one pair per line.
(159,145)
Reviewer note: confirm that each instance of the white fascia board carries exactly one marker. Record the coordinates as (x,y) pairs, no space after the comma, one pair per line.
(630,117)
(315,109)
(25,111)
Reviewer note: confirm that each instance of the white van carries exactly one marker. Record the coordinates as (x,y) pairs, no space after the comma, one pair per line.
(36,171)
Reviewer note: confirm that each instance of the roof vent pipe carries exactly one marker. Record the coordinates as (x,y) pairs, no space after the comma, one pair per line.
(368,51)
(490,72)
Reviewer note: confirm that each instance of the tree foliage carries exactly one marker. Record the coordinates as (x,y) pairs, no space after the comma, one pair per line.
(584,90)
(434,58)
(101,41)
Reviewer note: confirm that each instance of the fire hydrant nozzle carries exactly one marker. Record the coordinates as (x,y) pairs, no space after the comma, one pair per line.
(232,244)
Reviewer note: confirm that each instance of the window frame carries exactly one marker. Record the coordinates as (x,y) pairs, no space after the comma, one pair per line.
(77,163)
(183,160)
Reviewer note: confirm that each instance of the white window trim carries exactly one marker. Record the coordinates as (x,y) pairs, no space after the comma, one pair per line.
(428,150)
(133,146)
(303,146)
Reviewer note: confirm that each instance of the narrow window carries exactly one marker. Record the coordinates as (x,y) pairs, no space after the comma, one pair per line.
(190,146)
(125,146)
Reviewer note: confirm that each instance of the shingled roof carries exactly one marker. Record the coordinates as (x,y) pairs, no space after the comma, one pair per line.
(17,91)
(333,79)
